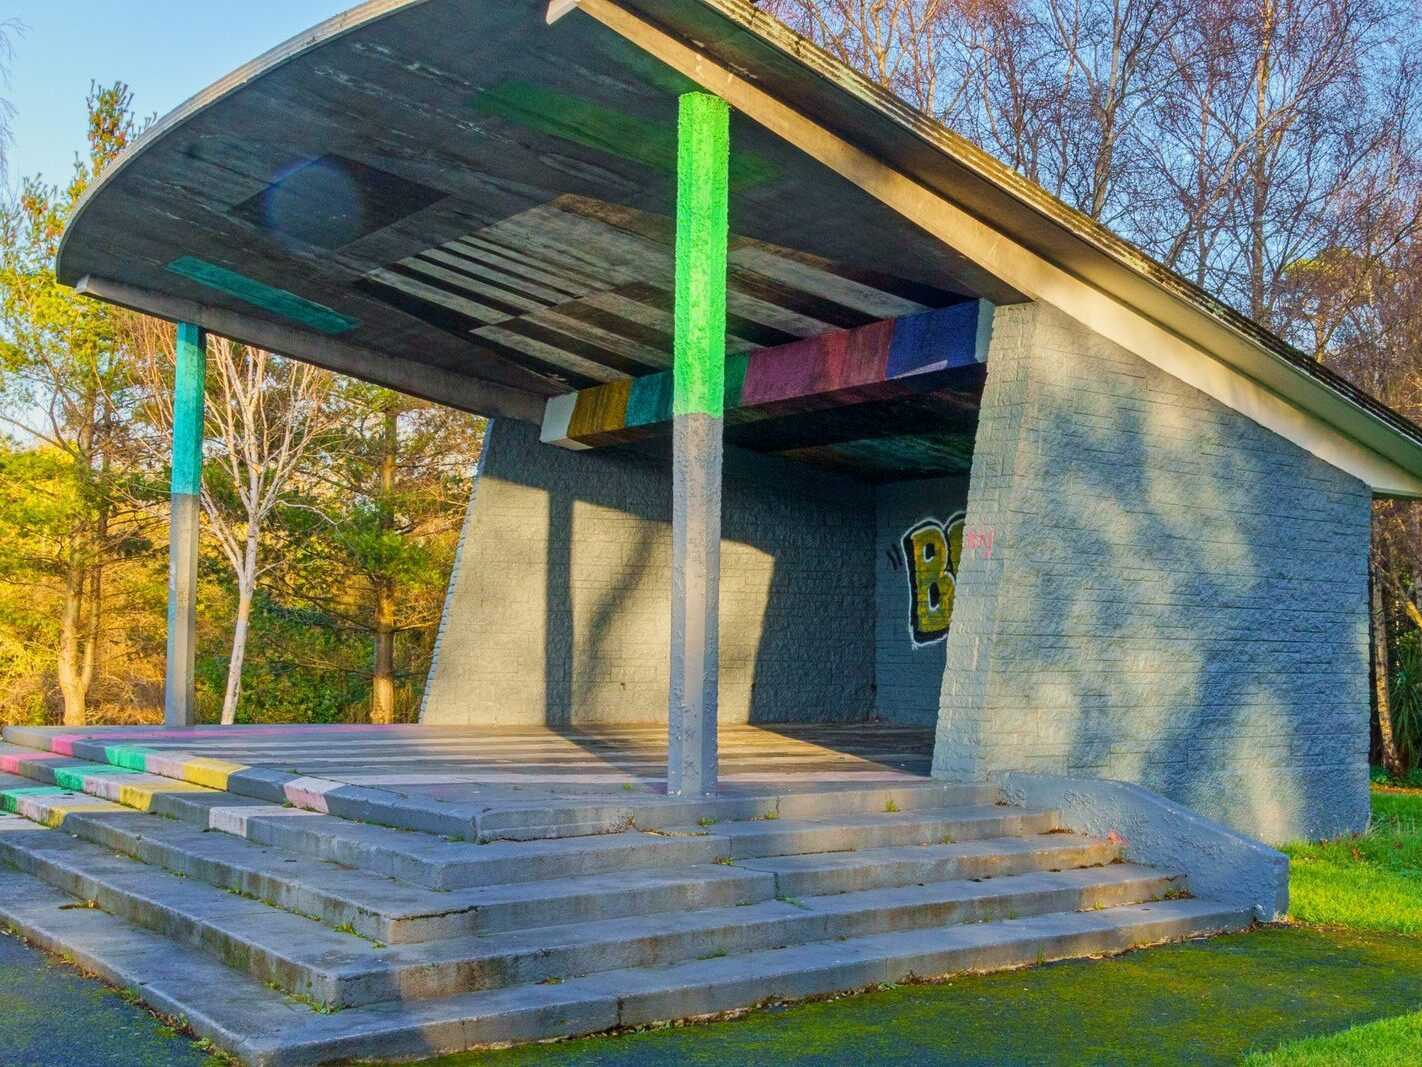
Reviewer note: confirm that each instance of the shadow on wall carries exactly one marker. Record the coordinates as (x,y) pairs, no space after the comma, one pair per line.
(559,611)
(1179,600)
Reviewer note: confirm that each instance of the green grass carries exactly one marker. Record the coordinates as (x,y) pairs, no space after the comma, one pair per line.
(1370,882)
(1386,1043)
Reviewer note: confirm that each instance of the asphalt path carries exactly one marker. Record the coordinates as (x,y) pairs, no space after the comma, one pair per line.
(52,1016)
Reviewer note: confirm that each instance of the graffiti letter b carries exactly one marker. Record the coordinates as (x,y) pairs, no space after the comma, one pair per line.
(932,550)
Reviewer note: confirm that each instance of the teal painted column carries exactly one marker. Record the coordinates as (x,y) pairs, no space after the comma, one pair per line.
(189,382)
(702,234)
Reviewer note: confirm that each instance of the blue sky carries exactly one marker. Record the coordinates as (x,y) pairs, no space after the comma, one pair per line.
(166,50)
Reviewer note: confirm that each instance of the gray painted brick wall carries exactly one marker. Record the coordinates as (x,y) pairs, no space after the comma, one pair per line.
(1176,596)
(560,605)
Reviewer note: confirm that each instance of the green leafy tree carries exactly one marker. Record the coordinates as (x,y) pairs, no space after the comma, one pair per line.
(67,388)
(390,500)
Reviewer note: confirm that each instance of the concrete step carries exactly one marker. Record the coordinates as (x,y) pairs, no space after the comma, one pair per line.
(341,969)
(662,813)
(434,863)
(789,837)
(266,1029)
(395,912)
(40,753)
(878,868)
(418,858)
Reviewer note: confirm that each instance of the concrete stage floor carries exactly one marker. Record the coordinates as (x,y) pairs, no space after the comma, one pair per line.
(499,764)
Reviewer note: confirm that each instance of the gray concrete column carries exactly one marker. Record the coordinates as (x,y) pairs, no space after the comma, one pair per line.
(189,383)
(696,604)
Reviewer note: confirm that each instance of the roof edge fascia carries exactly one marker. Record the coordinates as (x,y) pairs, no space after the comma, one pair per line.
(426,382)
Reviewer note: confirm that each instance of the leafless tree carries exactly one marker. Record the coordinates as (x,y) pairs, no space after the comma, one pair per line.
(10,29)
(265,416)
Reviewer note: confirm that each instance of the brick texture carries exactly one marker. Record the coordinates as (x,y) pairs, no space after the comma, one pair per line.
(559,609)
(1176,596)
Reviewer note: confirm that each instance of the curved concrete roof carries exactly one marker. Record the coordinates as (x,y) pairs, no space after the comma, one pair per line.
(470,128)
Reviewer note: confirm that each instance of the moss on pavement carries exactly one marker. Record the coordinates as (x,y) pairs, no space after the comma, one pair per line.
(1205,1002)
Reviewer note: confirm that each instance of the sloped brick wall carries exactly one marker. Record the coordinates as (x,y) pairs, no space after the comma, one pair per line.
(1175,596)
(560,605)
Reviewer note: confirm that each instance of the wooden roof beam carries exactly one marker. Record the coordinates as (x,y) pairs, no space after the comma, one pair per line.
(896,357)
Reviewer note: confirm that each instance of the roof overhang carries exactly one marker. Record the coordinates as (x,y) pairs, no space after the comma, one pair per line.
(840,173)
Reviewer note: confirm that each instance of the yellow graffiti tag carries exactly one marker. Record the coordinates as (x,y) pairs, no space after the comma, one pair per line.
(933,551)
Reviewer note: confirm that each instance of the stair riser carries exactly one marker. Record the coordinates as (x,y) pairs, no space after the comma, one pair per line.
(538,965)
(644,1008)
(654,852)
(755,888)
(690,895)
(891,798)
(588,1014)
(532,823)
(356,984)
(913,830)
(892,875)
(295,833)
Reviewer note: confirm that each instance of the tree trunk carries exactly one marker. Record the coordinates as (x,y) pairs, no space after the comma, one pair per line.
(382,709)
(246,587)
(1392,759)
(70,666)
(382,706)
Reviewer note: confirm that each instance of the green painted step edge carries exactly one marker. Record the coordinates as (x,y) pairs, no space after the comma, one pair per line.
(267,297)
(9,798)
(75,777)
(131,757)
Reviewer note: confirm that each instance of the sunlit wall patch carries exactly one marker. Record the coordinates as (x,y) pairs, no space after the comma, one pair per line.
(267,297)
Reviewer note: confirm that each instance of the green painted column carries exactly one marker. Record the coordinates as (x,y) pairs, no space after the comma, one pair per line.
(698,414)
(189,382)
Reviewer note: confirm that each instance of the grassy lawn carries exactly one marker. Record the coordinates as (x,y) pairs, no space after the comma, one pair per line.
(1325,992)
(1373,882)
(1388,1043)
